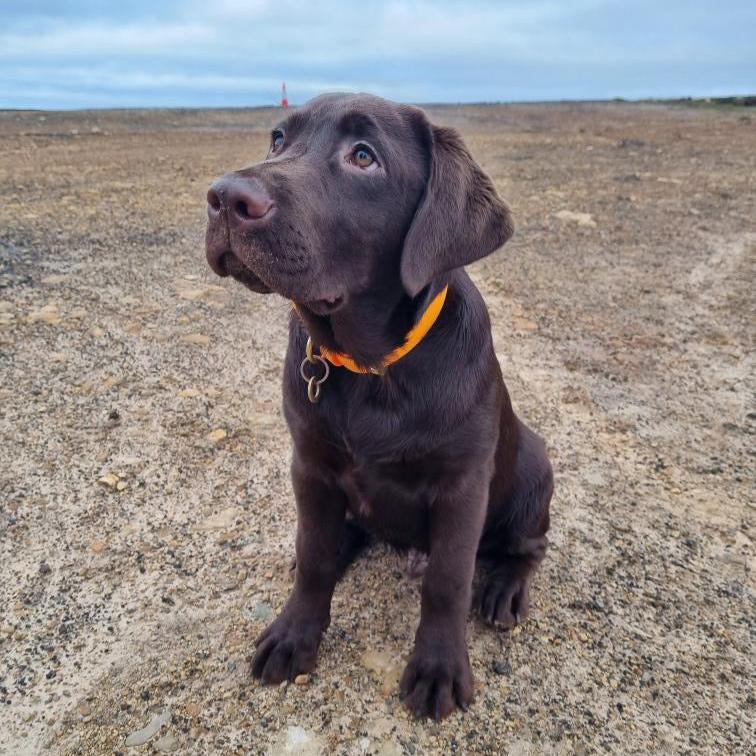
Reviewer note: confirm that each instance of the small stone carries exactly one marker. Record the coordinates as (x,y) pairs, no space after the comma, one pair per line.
(98,546)
(44,568)
(193,710)
(385,667)
(84,709)
(48,314)
(140,737)
(524,324)
(217,435)
(109,479)
(388,748)
(301,679)
(53,279)
(197,339)
(166,744)
(189,393)
(297,739)
(581,219)
(262,611)
(502,668)
(223,519)
(193,295)
(233,583)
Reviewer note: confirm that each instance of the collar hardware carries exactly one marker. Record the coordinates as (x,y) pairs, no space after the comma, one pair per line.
(338,359)
(313,382)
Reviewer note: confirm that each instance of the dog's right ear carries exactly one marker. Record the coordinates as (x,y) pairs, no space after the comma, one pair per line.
(460,218)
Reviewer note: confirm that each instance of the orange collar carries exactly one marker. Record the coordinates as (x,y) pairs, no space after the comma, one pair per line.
(414,337)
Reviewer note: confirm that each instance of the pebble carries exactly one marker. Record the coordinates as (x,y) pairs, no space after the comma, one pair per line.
(189,393)
(298,740)
(262,611)
(166,744)
(581,219)
(223,519)
(301,679)
(197,339)
(109,479)
(140,737)
(384,666)
(48,314)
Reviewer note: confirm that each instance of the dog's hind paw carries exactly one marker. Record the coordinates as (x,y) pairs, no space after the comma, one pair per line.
(505,599)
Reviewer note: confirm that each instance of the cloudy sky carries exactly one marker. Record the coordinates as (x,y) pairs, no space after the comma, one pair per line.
(82,53)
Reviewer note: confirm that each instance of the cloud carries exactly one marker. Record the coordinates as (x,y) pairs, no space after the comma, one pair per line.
(237,51)
(101,40)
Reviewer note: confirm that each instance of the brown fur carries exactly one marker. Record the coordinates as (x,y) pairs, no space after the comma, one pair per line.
(428,456)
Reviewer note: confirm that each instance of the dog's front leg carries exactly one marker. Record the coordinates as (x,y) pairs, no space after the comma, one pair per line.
(289,645)
(438,676)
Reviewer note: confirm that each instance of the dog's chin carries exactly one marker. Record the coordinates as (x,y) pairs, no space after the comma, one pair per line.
(323,307)
(241,273)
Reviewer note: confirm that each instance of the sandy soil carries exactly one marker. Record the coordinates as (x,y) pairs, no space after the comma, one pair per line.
(146,516)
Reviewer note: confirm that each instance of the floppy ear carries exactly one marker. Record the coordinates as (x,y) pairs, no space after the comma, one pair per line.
(459,219)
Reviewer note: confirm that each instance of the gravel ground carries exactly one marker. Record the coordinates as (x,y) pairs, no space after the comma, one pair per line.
(146,514)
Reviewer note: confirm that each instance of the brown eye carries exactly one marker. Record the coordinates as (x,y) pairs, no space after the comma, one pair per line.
(276,141)
(362,157)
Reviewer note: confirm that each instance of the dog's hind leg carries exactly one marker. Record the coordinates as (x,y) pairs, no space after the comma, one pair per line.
(354,541)
(514,542)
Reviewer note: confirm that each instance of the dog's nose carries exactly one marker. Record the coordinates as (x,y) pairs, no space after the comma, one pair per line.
(246,201)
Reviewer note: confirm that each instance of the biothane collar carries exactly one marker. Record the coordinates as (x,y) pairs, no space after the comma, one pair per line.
(338,359)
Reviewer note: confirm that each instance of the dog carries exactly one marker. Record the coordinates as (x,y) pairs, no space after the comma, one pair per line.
(364,215)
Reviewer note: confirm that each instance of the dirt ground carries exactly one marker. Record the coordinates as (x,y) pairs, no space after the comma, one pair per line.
(146,513)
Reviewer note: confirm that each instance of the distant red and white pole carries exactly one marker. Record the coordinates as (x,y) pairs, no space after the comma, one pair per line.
(284,97)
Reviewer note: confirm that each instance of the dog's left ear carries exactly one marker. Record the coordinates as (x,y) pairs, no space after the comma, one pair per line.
(460,218)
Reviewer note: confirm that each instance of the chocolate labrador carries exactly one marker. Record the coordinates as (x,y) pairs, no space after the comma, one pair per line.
(363,214)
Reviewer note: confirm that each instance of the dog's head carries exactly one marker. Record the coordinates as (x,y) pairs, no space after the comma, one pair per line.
(357,195)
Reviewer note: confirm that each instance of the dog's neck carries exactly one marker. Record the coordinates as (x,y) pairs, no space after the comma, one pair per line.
(368,326)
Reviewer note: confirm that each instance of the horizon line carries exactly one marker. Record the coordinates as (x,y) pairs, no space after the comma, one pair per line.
(721,99)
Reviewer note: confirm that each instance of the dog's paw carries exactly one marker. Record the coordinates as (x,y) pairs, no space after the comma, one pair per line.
(505,599)
(437,681)
(287,648)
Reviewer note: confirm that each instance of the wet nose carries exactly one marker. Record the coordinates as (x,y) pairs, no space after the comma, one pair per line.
(246,201)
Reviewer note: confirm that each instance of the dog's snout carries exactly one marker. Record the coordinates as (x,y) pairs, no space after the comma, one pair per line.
(246,202)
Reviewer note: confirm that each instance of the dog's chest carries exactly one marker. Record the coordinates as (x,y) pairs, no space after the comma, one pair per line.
(389,498)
